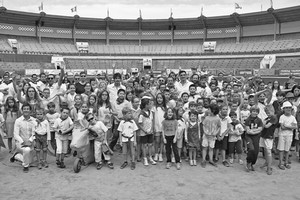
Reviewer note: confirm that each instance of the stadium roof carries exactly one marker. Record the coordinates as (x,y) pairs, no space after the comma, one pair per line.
(249,19)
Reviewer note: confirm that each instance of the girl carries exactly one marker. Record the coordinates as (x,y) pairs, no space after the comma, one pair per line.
(87,91)
(146,129)
(70,95)
(192,136)
(181,129)
(159,111)
(129,96)
(75,109)
(104,111)
(169,133)
(92,104)
(11,113)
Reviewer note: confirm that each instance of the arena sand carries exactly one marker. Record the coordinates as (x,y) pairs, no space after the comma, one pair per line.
(152,182)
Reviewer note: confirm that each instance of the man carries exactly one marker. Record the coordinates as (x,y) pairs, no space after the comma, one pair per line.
(183,85)
(24,136)
(81,84)
(115,87)
(220,80)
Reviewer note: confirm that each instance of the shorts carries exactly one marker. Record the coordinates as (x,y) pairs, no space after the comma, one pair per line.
(235,147)
(126,139)
(40,142)
(147,139)
(284,142)
(179,142)
(62,146)
(208,142)
(266,143)
(222,145)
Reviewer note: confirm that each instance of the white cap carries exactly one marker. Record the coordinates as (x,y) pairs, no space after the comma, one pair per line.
(286,104)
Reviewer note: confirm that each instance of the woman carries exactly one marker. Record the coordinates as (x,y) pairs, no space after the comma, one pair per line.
(87,92)
(275,88)
(296,92)
(32,98)
(104,111)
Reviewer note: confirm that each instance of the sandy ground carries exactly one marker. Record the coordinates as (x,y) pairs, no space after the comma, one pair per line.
(152,182)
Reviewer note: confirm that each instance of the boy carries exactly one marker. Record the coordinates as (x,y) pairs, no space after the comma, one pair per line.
(235,139)
(192,107)
(211,128)
(267,135)
(254,126)
(127,129)
(51,116)
(99,130)
(63,126)
(222,138)
(42,138)
(288,124)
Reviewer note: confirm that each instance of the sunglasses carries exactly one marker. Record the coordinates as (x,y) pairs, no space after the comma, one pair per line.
(50,78)
(90,119)
(83,76)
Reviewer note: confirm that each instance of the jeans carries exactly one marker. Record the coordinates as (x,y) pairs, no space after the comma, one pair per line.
(115,136)
(170,144)
(253,147)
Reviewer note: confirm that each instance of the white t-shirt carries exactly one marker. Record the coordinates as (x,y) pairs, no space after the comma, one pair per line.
(127,128)
(182,87)
(51,119)
(62,125)
(238,130)
(224,124)
(288,121)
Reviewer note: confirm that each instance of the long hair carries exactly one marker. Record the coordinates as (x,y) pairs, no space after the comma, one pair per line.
(101,102)
(273,87)
(163,104)
(36,96)
(166,114)
(14,108)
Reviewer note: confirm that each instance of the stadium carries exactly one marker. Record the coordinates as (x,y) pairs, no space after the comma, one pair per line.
(236,43)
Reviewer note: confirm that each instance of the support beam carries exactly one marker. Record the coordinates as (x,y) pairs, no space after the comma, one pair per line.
(140,20)
(277,23)
(76,20)
(172,28)
(39,23)
(108,20)
(235,16)
(202,19)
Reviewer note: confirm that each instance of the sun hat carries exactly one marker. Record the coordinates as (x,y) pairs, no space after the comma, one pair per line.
(286,105)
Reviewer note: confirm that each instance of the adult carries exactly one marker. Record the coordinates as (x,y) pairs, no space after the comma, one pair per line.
(203,90)
(182,85)
(81,84)
(6,87)
(24,135)
(115,87)
(296,92)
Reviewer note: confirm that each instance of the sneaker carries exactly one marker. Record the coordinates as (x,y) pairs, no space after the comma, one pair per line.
(62,165)
(225,163)
(26,169)
(12,159)
(146,162)
(58,163)
(195,163)
(132,167)
(287,166)
(173,160)
(203,164)
(110,165)
(213,164)
(45,164)
(99,165)
(168,165)
(178,166)
(216,159)
(269,171)
(160,158)
(155,157)
(252,168)
(124,165)
(280,166)
(191,163)
(152,161)
(241,162)
(231,160)
(40,165)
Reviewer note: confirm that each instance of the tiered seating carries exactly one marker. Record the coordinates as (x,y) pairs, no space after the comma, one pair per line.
(287,63)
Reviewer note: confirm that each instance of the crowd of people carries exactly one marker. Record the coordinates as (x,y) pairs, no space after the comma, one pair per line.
(172,117)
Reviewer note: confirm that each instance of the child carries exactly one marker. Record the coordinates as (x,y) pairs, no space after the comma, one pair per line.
(211,128)
(42,138)
(222,138)
(159,111)
(11,113)
(192,107)
(267,135)
(235,140)
(244,114)
(287,123)
(145,124)
(70,95)
(254,126)
(99,130)
(63,126)
(181,129)
(92,104)
(127,129)
(169,133)
(192,136)
(51,116)
(76,108)
(135,114)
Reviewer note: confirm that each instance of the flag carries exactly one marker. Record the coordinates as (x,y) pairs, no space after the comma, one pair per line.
(237,6)
(74,9)
(41,7)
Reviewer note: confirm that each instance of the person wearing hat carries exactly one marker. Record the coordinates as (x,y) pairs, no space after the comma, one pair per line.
(288,124)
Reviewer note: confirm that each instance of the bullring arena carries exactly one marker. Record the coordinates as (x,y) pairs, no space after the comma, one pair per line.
(234,45)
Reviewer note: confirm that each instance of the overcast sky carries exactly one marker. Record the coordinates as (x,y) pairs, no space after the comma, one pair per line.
(151,9)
